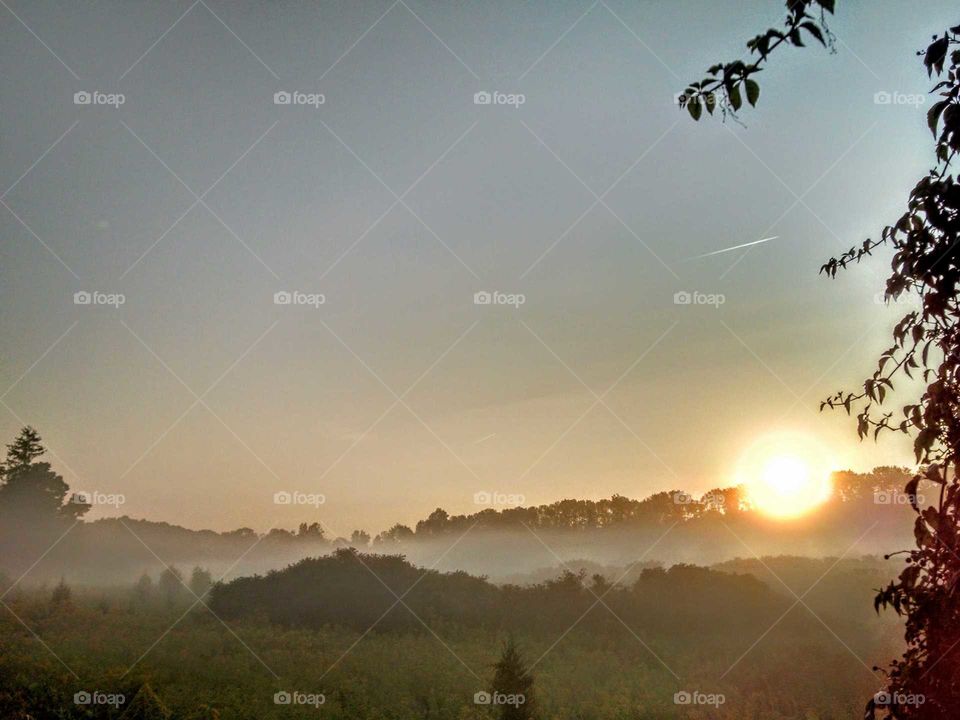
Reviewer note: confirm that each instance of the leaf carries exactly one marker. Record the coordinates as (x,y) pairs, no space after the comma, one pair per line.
(933,116)
(812,28)
(753,91)
(734,94)
(694,109)
(910,490)
(827,5)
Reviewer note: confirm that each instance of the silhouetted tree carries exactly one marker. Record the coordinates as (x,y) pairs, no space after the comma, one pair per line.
(313,531)
(23,451)
(360,539)
(31,492)
(145,705)
(512,684)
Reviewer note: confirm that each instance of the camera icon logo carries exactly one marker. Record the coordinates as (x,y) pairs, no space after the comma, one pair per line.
(82,98)
(282,297)
(682,698)
(82,297)
(882,98)
(682,298)
(82,698)
(482,298)
(282,98)
(482,498)
(482,698)
(282,498)
(282,698)
(482,98)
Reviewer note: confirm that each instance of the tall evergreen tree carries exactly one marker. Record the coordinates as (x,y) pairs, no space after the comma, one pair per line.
(512,684)
(23,451)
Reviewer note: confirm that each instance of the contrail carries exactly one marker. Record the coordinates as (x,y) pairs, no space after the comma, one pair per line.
(735,247)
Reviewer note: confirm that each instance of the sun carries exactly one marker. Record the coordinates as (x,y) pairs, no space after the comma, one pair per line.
(785,476)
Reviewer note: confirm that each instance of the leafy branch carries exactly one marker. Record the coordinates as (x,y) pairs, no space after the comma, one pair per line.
(727,84)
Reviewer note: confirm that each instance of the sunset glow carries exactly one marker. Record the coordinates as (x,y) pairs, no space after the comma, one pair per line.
(786,476)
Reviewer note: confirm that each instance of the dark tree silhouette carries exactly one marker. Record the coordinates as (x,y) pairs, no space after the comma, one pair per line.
(31,494)
(925,682)
(512,684)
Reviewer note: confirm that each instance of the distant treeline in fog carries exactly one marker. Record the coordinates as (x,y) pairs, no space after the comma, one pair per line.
(40,517)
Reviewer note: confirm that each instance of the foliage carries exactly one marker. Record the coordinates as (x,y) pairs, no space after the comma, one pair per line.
(31,492)
(200,581)
(512,679)
(925,682)
(698,622)
(728,84)
(171,585)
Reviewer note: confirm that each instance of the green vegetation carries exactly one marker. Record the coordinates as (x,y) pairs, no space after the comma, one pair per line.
(674,630)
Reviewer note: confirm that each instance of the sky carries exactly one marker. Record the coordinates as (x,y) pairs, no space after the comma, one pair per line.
(183,197)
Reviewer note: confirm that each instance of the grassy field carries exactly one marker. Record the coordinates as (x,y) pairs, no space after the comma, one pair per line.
(198,666)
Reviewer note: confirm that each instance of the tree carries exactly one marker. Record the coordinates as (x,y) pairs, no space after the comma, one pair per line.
(31,492)
(313,531)
(145,705)
(200,581)
(24,450)
(170,585)
(360,538)
(143,589)
(512,688)
(61,595)
(394,536)
(925,682)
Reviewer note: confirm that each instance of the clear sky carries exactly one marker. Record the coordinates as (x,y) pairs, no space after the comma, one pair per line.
(397,199)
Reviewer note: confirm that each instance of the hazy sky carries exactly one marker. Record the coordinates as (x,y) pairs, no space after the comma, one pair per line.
(397,199)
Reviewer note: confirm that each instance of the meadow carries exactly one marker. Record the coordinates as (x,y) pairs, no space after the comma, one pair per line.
(627,657)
